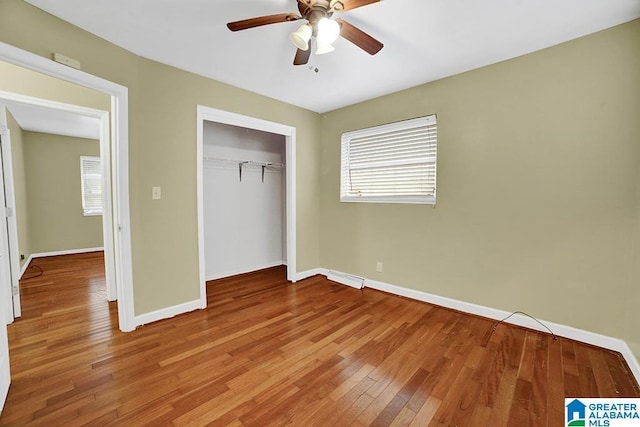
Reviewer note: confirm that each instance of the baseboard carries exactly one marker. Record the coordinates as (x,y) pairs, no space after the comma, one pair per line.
(67,252)
(24,267)
(167,313)
(57,253)
(301,275)
(631,359)
(576,334)
(216,276)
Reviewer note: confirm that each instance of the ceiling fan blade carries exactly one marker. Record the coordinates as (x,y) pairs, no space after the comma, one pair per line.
(358,37)
(353,4)
(262,20)
(302,56)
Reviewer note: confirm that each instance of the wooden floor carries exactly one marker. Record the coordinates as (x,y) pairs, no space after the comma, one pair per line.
(266,352)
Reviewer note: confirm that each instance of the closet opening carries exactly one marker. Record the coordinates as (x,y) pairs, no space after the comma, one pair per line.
(246,195)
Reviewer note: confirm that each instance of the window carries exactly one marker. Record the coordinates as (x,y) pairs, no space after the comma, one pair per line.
(91,183)
(394,163)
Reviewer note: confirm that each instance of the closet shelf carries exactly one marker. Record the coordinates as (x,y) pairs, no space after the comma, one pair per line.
(245,163)
(241,164)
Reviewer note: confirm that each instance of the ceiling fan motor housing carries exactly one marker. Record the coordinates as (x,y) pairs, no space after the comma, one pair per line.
(314,10)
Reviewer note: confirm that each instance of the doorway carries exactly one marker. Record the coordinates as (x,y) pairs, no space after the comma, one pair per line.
(287,139)
(53,222)
(244,187)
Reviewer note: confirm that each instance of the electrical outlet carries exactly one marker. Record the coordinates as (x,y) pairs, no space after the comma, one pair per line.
(156,193)
(21,257)
(378,266)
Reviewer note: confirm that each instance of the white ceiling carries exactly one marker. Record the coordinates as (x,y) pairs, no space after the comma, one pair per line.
(56,122)
(424,40)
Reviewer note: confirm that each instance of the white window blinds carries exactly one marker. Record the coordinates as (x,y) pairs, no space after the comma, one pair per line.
(91,182)
(394,163)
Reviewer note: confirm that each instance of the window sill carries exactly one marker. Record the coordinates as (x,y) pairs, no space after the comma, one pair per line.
(406,201)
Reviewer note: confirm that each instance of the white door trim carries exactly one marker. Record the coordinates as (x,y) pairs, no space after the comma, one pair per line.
(118,152)
(219,116)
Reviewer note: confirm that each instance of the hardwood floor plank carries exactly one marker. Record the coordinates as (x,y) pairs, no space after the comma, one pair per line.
(538,407)
(604,382)
(347,409)
(458,404)
(404,418)
(447,376)
(426,413)
(424,391)
(504,397)
(481,416)
(266,352)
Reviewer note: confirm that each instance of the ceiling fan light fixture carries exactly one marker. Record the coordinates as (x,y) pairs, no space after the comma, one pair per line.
(301,37)
(322,48)
(328,31)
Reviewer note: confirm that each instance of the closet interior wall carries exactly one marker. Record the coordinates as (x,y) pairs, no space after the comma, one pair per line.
(244,200)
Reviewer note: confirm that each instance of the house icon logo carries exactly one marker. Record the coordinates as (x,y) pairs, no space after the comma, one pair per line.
(576,413)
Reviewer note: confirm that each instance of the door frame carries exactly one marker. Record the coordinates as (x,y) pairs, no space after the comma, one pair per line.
(6,100)
(209,114)
(118,151)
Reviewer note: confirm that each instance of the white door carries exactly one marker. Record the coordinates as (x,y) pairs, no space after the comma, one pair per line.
(5,290)
(10,268)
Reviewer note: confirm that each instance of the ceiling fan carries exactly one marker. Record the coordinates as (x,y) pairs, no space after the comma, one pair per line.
(319,26)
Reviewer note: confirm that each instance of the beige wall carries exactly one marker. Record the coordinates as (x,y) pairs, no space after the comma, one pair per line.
(20,187)
(162,149)
(52,170)
(537,179)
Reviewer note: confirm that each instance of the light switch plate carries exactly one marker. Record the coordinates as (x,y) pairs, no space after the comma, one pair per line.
(156,194)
